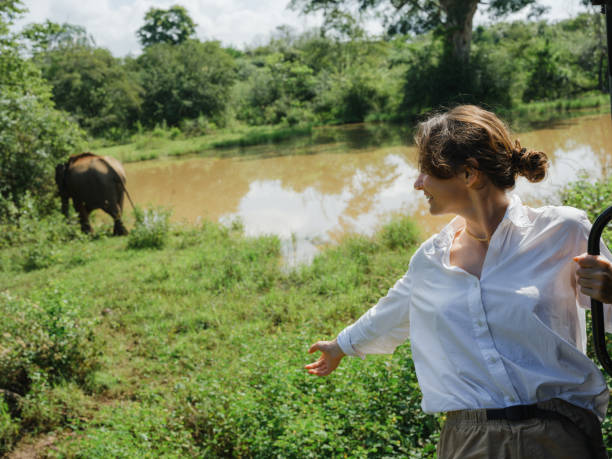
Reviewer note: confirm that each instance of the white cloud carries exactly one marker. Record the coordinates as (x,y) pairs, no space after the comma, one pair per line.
(113,23)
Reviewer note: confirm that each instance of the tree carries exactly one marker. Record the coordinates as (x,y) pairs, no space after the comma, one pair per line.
(453,18)
(184,81)
(172,26)
(93,86)
(51,35)
(34,136)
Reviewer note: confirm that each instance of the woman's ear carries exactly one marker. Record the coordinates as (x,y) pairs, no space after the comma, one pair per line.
(472,174)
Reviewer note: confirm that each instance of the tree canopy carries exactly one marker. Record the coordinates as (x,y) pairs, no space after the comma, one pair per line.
(34,136)
(452,17)
(172,26)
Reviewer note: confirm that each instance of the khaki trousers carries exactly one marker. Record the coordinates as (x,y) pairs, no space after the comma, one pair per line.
(569,433)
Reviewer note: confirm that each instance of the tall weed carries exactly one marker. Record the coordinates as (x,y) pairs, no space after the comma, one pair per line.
(151,229)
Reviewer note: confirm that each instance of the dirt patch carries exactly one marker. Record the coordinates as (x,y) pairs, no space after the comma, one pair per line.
(31,448)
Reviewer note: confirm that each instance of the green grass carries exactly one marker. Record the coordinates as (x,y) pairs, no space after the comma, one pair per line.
(526,116)
(201,346)
(168,142)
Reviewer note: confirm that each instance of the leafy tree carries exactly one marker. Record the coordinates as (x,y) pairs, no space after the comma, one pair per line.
(546,79)
(172,26)
(453,18)
(34,136)
(51,35)
(93,86)
(184,81)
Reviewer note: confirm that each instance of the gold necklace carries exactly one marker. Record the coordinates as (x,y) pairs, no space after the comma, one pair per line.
(479,239)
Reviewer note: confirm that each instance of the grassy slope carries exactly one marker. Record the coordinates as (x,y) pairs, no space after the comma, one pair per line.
(203,343)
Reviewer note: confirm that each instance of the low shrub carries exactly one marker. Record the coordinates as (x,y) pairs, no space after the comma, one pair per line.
(29,223)
(9,428)
(38,256)
(399,233)
(283,412)
(46,356)
(592,197)
(44,341)
(151,229)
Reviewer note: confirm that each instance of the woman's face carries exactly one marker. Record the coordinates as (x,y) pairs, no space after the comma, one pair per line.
(443,195)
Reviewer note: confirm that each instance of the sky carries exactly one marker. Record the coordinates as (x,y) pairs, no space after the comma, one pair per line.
(239,23)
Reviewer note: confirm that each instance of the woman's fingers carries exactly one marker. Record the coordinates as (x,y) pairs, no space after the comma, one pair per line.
(316,347)
(587,261)
(316,364)
(317,368)
(589,281)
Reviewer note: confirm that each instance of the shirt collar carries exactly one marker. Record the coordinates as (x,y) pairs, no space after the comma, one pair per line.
(516,213)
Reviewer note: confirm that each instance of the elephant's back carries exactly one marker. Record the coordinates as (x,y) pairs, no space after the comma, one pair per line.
(94,166)
(116,165)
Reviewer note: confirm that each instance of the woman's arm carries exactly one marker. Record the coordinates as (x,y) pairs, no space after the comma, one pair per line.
(380,330)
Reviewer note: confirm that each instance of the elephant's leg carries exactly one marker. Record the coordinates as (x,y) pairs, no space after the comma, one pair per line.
(114,210)
(119,229)
(65,205)
(81,209)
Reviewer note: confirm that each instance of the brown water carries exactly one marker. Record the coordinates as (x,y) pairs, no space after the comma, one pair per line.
(313,192)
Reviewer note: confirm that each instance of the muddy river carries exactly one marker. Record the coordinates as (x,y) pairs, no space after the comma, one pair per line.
(351,179)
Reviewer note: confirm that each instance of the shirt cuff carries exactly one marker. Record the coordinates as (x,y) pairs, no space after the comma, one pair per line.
(344,341)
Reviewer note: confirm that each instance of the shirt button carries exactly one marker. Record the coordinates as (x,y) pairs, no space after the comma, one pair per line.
(492,360)
(480,323)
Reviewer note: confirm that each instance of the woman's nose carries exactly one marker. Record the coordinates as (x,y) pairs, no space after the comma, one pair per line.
(418,183)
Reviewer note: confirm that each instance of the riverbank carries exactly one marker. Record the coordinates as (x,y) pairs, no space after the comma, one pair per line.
(171,142)
(196,348)
(193,344)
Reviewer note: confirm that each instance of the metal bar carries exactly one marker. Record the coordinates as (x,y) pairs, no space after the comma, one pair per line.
(608,11)
(597,315)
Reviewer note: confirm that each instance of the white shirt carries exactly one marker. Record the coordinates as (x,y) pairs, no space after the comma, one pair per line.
(515,336)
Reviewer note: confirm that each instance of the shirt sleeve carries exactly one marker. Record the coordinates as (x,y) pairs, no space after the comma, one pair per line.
(585,300)
(383,327)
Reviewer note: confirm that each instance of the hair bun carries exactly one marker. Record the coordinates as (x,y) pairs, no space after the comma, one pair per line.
(530,164)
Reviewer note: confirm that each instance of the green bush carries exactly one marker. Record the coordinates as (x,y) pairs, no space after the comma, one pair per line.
(48,407)
(151,229)
(44,342)
(8,428)
(283,412)
(592,197)
(400,233)
(26,223)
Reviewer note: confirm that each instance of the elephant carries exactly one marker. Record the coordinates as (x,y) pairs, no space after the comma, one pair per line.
(93,182)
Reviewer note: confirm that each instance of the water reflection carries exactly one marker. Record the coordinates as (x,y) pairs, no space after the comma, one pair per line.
(338,184)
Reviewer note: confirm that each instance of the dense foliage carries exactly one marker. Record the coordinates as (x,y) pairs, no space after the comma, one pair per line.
(183,81)
(34,136)
(338,73)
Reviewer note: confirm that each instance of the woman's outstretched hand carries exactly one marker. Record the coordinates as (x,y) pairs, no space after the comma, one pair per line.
(595,277)
(331,354)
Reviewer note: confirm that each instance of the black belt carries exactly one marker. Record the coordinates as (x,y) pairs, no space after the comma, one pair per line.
(516,413)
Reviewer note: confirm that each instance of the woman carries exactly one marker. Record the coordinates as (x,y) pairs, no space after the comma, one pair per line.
(491,304)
